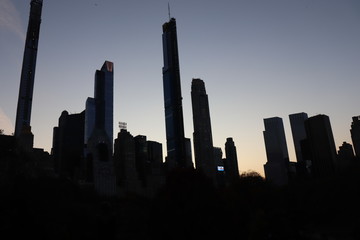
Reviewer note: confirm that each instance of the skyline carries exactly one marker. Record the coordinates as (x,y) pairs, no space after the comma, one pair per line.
(281,57)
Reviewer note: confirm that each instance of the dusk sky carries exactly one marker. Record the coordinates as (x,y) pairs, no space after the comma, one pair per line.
(258,58)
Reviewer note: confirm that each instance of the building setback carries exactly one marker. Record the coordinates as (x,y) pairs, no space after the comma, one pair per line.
(203,143)
(175,138)
(23,113)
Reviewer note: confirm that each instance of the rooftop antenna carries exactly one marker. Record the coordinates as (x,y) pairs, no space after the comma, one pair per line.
(169,10)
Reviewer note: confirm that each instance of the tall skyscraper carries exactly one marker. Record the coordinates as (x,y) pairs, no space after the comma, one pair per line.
(322,145)
(175,138)
(203,143)
(99,132)
(23,114)
(276,168)
(355,135)
(231,161)
(297,122)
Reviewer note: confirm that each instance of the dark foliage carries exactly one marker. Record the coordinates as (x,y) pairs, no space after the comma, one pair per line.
(188,206)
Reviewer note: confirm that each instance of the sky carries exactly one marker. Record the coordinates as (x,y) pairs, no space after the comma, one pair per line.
(258,58)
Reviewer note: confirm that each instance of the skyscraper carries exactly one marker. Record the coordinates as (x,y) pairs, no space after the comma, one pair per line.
(175,138)
(355,134)
(297,122)
(99,132)
(231,161)
(276,168)
(322,145)
(23,114)
(203,143)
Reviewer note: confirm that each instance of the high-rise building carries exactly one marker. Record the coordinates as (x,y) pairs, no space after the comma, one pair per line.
(175,138)
(276,168)
(98,134)
(297,123)
(68,144)
(104,99)
(125,163)
(355,134)
(23,114)
(345,157)
(203,143)
(231,161)
(322,145)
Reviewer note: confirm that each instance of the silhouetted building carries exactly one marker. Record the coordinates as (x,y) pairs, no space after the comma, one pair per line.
(68,144)
(98,164)
(125,163)
(345,156)
(231,161)
(276,168)
(23,113)
(297,123)
(203,143)
(322,145)
(155,170)
(141,157)
(175,138)
(155,155)
(355,134)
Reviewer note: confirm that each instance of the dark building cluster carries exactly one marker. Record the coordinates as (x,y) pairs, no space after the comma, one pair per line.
(94,187)
(84,150)
(315,149)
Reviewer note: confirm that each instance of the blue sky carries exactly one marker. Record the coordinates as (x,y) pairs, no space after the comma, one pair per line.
(258,58)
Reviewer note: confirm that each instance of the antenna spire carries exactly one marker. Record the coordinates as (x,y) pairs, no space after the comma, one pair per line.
(169,10)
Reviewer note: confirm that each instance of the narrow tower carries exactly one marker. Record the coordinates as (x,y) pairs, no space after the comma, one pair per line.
(23,113)
(175,138)
(203,143)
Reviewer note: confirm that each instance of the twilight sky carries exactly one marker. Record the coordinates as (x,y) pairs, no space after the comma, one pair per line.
(258,58)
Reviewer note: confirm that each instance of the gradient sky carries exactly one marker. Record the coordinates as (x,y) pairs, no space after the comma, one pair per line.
(258,58)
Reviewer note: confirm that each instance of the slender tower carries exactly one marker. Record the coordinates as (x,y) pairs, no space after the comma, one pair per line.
(23,113)
(175,138)
(203,143)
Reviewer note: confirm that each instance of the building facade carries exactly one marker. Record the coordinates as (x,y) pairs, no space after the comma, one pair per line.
(276,167)
(23,113)
(297,123)
(175,138)
(203,142)
(231,161)
(321,145)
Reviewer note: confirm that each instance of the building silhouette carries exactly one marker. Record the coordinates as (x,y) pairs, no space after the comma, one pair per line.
(276,167)
(203,143)
(231,161)
(297,123)
(127,177)
(345,157)
(321,145)
(141,157)
(68,145)
(355,134)
(175,138)
(98,133)
(23,113)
